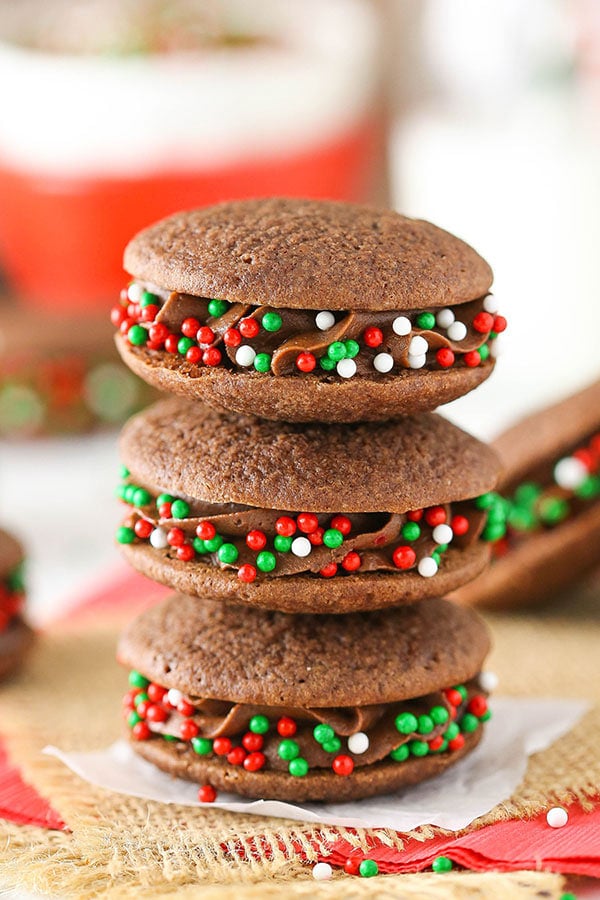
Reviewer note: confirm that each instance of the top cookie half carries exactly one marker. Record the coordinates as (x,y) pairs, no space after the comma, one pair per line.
(307,310)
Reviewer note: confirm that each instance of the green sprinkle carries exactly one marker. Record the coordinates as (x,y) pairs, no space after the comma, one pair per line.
(426,320)
(368,868)
(487,715)
(141,698)
(323,733)
(171,737)
(184,344)
(271,321)
(411,531)
(443,746)
(124,472)
(262,362)
(214,543)
(282,544)
(120,491)
(497,514)
(553,510)
(425,725)
(484,352)
(136,679)
(288,749)
(333,538)
(266,561)
(485,501)
(439,714)
(162,499)
(461,690)
(527,493)
(442,864)
(332,746)
(180,509)
(568,895)
(227,553)
(258,724)
(199,545)
(400,753)
(137,335)
(129,492)
(141,497)
(148,299)
(16,578)
(125,535)
(469,723)
(521,519)
(336,351)
(298,767)
(451,731)
(406,723)
(327,364)
(217,307)
(589,488)
(133,718)
(418,748)
(352,349)
(202,746)
(493,532)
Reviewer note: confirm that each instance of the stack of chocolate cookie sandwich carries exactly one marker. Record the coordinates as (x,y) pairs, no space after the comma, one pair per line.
(16,636)
(313,513)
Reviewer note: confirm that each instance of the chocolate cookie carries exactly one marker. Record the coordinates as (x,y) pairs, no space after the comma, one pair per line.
(319,518)
(307,311)
(15,634)
(547,533)
(292,708)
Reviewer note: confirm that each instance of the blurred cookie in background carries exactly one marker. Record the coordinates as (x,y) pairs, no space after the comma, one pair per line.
(16,636)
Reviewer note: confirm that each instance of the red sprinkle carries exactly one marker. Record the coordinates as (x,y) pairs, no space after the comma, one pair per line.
(352,561)
(188,730)
(142,708)
(143,529)
(189,327)
(232,338)
(193,355)
(457,743)
(286,726)
(205,335)
(149,313)
(329,570)
(436,742)
(126,325)
(175,537)
(373,337)
(221,746)
(206,531)
(254,761)
(352,864)
(453,696)
(207,794)
(285,526)
(252,741)
(307,522)
(435,515)
(586,457)
(472,358)
(404,557)
(341,523)
(415,515)
(164,510)
(499,324)
(343,765)
(140,731)
(156,713)
(477,705)
(445,357)
(236,756)
(256,540)
(171,343)
(306,361)
(117,315)
(248,327)
(212,356)
(156,692)
(459,525)
(158,333)
(129,698)
(316,537)
(247,573)
(185,708)
(483,322)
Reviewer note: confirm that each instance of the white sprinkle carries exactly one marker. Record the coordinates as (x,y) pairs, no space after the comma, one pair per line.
(346,368)
(497,346)
(488,681)
(383,362)
(457,331)
(557,817)
(418,345)
(445,318)
(569,473)
(158,539)
(301,546)
(416,362)
(402,325)
(358,743)
(427,567)
(174,697)
(245,355)
(490,304)
(324,320)
(135,291)
(322,872)
(442,534)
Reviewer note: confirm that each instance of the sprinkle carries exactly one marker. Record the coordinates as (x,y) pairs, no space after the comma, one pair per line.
(266,561)
(254,761)
(217,307)
(358,743)
(346,368)
(570,473)
(301,546)
(245,355)
(401,753)
(324,320)
(418,346)
(337,351)
(483,322)
(248,327)
(271,321)
(134,292)
(207,794)
(557,817)
(442,864)
(445,318)
(247,573)
(426,320)
(258,724)
(373,336)
(442,534)
(342,764)
(490,304)
(125,535)
(323,733)
(306,362)
(137,335)
(427,567)
(285,526)
(445,357)
(174,697)
(404,557)
(351,865)
(298,767)
(342,523)
(472,358)
(368,868)
(322,871)
(286,727)
(457,331)
(333,538)
(488,681)
(262,362)
(383,362)
(417,362)
(402,325)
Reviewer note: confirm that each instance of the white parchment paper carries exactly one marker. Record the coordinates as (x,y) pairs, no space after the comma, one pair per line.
(518,728)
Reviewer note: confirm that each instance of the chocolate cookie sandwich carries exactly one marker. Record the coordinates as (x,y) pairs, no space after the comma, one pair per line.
(319,518)
(15,634)
(545,523)
(285,707)
(307,311)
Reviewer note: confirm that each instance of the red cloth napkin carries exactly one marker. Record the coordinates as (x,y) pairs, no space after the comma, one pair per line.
(21,803)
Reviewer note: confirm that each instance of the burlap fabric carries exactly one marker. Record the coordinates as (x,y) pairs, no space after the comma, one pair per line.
(123,847)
